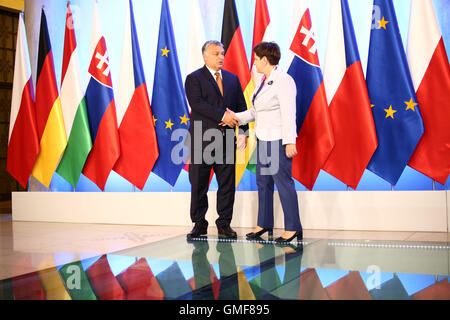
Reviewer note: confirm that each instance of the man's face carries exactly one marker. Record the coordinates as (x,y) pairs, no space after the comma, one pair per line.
(214,57)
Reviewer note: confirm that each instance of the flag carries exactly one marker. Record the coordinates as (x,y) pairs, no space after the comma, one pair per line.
(23,143)
(196,39)
(261,32)
(348,100)
(76,281)
(169,105)
(138,144)
(50,121)
(315,138)
(101,111)
(74,110)
(103,282)
(395,111)
(194,54)
(430,72)
(237,63)
(53,285)
(139,283)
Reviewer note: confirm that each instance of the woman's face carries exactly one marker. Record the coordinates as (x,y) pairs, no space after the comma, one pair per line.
(260,63)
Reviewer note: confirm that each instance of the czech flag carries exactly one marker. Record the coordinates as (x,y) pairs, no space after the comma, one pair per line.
(348,99)
(138,143)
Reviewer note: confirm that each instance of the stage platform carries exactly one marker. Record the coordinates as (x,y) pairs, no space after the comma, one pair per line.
(422,211)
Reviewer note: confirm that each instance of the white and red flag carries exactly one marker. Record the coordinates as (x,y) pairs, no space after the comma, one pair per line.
(23,143)
(430,72)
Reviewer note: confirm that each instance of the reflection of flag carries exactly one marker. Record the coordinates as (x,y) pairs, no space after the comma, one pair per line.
(261,32)
(76,281)
(101,110)
(23,146)
(138,144)
(395,111)
(173,283)
(50,122)
(169,104)
(315,135)
(139,283)
(53,285)
(237,63)
(430,72)
(103,282)
(28,287)
(74,110)
(245,290)
(348,99)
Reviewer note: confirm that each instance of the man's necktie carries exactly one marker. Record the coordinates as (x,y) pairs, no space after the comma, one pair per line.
(219,82)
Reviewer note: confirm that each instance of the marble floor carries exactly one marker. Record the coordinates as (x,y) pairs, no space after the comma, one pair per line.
(29,247)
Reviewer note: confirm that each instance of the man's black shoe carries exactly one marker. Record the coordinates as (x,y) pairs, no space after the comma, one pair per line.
(226,232)
(197,232)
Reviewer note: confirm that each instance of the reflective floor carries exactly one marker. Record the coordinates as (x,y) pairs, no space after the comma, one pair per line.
(170,267)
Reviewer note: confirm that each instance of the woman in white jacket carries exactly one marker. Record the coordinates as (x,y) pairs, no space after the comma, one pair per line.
(274,111)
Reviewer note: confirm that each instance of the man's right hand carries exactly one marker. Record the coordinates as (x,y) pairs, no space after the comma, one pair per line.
(230,119)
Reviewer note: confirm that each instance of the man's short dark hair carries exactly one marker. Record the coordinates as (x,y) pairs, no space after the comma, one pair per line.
(270,50)
(211,42)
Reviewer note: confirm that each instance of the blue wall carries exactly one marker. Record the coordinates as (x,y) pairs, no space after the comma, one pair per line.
(147,14)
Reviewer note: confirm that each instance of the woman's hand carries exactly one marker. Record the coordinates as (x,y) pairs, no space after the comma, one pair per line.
(291,150)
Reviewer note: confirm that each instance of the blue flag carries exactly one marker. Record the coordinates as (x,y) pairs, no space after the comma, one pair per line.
(169,105)
(395,110)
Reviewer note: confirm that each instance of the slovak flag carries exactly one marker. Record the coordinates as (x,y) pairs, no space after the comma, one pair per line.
(315,138)
(101,110)
(348,99)
(138,143)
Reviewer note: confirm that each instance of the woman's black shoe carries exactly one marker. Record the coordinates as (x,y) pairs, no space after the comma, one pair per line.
(298,235)
(257,235)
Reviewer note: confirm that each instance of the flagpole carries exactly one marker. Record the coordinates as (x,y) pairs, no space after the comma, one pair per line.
(434,185)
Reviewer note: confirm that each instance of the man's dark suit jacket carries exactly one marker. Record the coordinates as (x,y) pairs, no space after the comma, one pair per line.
(207,103)
(208,108)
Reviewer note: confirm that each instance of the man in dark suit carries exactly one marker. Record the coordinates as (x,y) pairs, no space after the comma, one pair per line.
(210,91)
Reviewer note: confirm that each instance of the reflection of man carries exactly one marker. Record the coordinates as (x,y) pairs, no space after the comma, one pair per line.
(205,288)
(210,91)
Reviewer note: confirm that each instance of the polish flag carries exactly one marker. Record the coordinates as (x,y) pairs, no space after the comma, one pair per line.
(430,72)
(348,99)
(23,144)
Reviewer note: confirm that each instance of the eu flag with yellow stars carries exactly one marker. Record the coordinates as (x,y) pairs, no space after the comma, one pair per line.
(169,105)
(398,122)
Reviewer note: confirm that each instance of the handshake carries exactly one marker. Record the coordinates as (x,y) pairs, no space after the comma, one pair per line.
(230,119)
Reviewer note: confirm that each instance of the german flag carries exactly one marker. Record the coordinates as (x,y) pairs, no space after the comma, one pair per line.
(237,63)
(50,122)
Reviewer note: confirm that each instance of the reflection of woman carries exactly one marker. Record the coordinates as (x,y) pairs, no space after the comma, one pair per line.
(274,109)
